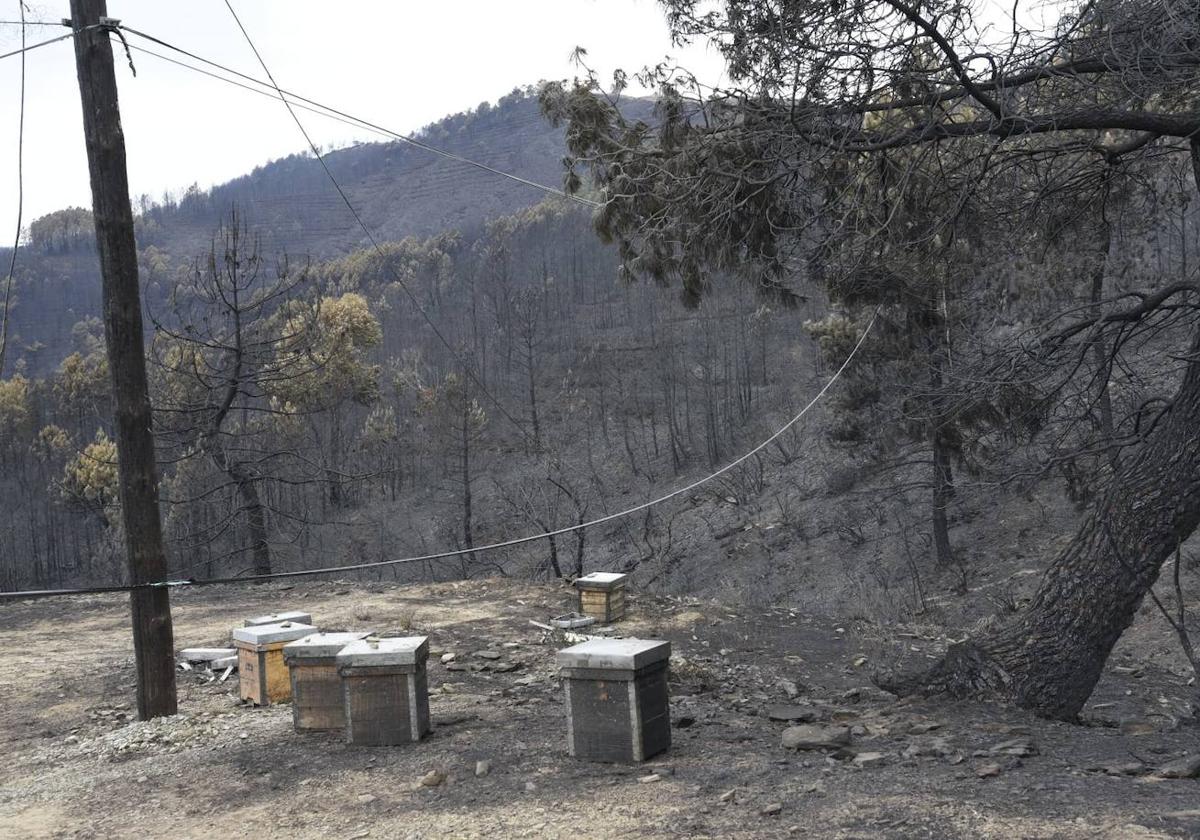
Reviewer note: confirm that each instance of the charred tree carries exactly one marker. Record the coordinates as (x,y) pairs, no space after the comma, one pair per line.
(788,145)
(1051,657)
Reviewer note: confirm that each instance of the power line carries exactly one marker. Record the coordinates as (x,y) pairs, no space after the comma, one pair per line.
(370,236)
(442,555)
(12,261)
(31,47)
(267,93)
(363,123)
(330,111)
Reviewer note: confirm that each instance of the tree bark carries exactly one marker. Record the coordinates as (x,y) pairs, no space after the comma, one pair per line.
(153,637)
(465,466)
(1100,348)
(554,566)
(256,518)
(1049,659)
(943,471)
(943,492)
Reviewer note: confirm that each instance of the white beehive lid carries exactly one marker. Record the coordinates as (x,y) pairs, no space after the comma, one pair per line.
(372,652)
(601,580)
(269,634)
(322,645)
(614,654)
(295,616)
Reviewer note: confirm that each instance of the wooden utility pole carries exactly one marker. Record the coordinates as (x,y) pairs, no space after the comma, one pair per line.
(153,638)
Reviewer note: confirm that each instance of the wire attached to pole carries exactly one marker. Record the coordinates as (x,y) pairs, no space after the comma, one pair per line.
(12,260)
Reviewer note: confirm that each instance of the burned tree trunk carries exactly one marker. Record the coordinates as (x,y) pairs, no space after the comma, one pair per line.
(943,472)
(1049,659)
(943,493)
(256,517)
(465,466)
(940,445)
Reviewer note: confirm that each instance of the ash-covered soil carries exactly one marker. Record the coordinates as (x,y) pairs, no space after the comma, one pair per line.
(77,765)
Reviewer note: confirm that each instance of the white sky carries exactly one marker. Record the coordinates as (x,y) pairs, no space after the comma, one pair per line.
(401,64)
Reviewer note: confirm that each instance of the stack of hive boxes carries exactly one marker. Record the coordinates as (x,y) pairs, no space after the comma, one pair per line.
(385,690)
(374,689)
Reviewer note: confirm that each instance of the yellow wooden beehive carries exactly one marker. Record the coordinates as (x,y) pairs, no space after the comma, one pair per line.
(262,671)
(602,595)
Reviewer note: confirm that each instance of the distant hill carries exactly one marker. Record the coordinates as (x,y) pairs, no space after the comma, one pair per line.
(398,189)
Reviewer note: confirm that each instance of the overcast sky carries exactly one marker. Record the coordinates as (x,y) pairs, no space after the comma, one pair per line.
(401,64)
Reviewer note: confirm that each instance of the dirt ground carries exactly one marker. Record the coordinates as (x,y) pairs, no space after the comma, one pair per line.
(78,766)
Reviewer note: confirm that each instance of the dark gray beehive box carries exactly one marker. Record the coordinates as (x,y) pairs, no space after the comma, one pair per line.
(384,690)
(617,704)
(317,702)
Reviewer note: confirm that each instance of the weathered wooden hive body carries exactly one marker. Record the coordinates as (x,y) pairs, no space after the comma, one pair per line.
(261,670)
(317,702)
(618,709)
(384,690)
(294,616)
(602,595)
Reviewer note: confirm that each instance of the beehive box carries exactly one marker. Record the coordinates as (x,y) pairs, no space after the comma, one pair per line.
(618,709)
(602,595)
(385,691)
(262,672)
(316,687)
(295,616)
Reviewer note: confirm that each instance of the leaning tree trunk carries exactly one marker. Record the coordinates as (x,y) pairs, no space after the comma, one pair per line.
(1049,659)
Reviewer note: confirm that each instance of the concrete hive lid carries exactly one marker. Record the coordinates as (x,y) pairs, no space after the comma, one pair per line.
(614,654)
(269,634)
(371,652)
(322,645)
(295,616)
(601,580)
